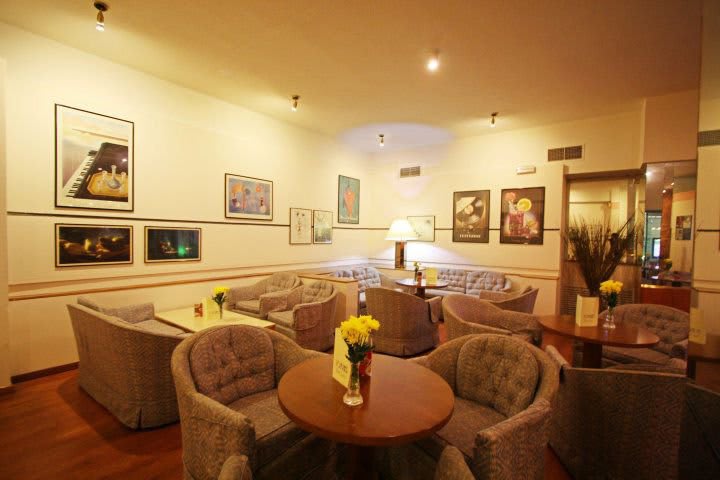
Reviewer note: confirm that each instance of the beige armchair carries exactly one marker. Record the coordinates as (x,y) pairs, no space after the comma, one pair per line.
(226,380)
(504,388)
(310,316)
(465,315)
(267,295)
(236,468)
(612,423)
(407,323)
(524,302)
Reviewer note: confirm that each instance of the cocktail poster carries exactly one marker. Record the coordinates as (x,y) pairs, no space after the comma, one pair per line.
(522,213)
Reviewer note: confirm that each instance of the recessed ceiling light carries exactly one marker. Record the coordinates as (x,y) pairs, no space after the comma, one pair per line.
(294,104)
(434,61)
(101,7)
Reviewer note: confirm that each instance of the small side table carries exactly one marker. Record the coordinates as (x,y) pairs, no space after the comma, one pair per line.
(420,287)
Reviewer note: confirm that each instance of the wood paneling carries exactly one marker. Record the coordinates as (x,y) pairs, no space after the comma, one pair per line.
(676,297)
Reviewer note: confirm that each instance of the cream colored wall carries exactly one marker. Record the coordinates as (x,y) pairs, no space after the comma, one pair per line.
(599,201)
(4,324)
(671,125)
(184,144)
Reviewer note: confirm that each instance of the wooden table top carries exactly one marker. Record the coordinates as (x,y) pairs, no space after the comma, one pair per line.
(410,282)
(403,402)
(621,336)
(185,318)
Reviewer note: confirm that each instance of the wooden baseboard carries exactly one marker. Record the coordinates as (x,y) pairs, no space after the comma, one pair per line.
(6,390)
(24,377)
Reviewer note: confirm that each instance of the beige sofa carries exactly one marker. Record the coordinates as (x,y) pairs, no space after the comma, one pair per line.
(471,282)
(367,277)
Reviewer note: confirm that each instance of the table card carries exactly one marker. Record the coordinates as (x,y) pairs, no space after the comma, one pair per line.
(341,365)
(586,311)
(210,309)
(431,275)
(698,334)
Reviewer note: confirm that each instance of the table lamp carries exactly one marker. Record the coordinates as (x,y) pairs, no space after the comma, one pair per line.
(400,231)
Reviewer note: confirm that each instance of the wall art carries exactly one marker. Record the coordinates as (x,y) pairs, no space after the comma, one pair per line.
(170,244)
(248,197)
(348,200)
(471,210)
(522,215)
(78,245)
(424,227)
(683,227)
(300,226)
(322,226)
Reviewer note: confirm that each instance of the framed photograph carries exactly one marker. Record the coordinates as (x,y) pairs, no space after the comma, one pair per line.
(300,226)
(322,226)
(348,200)
(471,212)
(683,227)
(170,244)
(522,215)
(80,245)
(248,197)
(94,160)
(424,227)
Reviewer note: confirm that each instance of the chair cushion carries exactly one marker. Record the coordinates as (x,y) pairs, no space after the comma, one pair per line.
(155,326)
(233,362)
(467,420)
(456,278)
(282,281)
(274,432)
(498,372)
(316,292)
(635,355)
(282,318)
(483,280)
(248,306)
(367,277)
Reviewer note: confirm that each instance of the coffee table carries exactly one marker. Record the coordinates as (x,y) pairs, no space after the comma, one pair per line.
(403,402)
(593,338)
(185,318)
(420,287)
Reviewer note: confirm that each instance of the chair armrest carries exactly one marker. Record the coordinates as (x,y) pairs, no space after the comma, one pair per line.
(508,285)
(246,292)
(420,361)
(452,466)
(469,328)
(554,354)
(435,306)
(387,282)
(306,315)
(294,297)
(236,468)
(274,302)
(679,350)
(516,444)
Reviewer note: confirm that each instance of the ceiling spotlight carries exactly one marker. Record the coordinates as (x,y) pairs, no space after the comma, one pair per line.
(101,7)
(381,140)
(294,104)
(434,61)
(492,119)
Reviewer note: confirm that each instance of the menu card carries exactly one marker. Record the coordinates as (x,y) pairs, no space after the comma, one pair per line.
(341,365)
(210,309)
(698,334)
(431,275)
(586,311)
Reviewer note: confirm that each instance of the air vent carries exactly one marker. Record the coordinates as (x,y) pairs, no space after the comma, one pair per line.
(708,138)
(409,172)
(565,153)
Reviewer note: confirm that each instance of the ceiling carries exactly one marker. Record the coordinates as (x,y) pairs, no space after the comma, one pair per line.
(359,66)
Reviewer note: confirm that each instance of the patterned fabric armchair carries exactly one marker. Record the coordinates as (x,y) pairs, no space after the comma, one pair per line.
(226,380)
(465,315)
(670,324)
(700,433)
(236,468)
(504,389)
(367,277)
(267,295)
(611,423)
(407,322)
(408,462)
(523,302)
(124,367)
(310,316)
(142,315)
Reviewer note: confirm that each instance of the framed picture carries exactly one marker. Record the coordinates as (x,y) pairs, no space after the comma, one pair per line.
(248,197)
(424,227)
(348,200)
(471,211)
(322,226)
(683,227)
(170,244)
(522,215)
(300,226)
(94,160)
(78,245)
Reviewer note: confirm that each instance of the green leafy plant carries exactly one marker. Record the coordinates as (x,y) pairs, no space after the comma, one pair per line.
(598,249)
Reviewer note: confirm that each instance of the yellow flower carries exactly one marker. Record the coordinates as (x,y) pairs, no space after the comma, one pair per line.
(357,330)
(218,290)
(610,286)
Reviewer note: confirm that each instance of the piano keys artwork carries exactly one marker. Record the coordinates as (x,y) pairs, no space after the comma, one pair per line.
(82,245)
(93,160)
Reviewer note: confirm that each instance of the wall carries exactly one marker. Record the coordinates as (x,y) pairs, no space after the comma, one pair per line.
(670,131)
(184,144)
(4,324)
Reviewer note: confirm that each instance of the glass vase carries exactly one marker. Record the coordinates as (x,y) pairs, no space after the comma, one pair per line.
(353,397)
(609,322)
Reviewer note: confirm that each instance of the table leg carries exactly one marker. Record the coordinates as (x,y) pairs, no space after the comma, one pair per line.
(420,292)
(360,464)
(691,366)
(592,355)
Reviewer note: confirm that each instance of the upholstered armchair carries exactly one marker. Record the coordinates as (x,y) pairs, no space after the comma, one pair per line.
(236,468)
(226,380)
(504,388)
(407,322)
(267,295)
(465,315)
(523,302)
(310,316)
(613,423)
(408,462)
(479,280)
(700,433)
(142,315)
(367,277)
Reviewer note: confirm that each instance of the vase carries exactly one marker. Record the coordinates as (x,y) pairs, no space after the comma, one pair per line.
(220,305)
(353,397)
(609,322)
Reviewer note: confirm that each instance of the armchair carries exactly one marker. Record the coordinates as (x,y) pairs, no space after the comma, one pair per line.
(524,302)
(407,323)
(226,380)
(465,315)
(267,295)
(310,316)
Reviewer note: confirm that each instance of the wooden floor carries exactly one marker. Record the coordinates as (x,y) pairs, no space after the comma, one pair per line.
(51,429)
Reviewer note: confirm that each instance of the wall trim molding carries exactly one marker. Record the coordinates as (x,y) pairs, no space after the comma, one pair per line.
(540,274)
(24,377)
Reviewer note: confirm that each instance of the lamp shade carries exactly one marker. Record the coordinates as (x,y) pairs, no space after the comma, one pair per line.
(401,231)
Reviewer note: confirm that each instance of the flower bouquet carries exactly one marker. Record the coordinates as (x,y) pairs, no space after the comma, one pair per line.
(609,290)
(356,333)
(220,296)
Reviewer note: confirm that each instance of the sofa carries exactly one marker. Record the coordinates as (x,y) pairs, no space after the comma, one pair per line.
(471,282)
(125,366)
(367,277)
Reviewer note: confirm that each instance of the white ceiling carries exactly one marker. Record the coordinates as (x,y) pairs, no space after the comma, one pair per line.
(360,65)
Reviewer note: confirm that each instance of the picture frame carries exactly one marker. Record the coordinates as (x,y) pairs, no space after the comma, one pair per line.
(248,197)
(94,160)
(522,215)
(471,214)
(683,227)
(172,244)
(92,245)
(322,226)
(300,226)
(348,200)
(424,226)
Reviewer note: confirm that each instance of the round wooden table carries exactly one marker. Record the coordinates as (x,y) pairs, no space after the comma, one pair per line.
(420,287)
(593,338)
(403,402)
